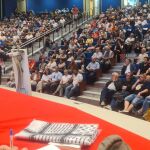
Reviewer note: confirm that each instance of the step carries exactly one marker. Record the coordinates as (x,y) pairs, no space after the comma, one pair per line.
(88,100)
(115,70)
(104,78)
(100,83)
(119,64)
(117,67)
(91,94)
(4,78)
(94,88)
(108,75)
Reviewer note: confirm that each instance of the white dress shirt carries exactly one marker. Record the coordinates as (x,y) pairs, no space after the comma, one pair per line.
(93,66)
(56,76)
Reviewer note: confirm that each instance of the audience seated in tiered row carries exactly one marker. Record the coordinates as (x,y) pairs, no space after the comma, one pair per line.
(21,27)
(114,35)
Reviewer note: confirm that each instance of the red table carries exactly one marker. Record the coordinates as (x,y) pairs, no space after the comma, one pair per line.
(17,111)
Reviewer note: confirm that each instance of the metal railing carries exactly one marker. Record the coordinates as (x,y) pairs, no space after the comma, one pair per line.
(54,33)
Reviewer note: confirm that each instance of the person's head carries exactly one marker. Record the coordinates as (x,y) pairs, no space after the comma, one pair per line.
(56,69)
(36,71)
(107,48)
(113,142)
(128,76)
(142,78)
(46,72)
(97,49)
(127,61)
(115,76)
(148,78)
(65,72)
(93,59)
(146,60)
(75,72)
(143,50)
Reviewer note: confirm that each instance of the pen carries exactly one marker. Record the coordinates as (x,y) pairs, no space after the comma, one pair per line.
(11,139)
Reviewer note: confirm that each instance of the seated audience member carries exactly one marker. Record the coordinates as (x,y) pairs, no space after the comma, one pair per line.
(73,88)
(140,90)
(113,142)
(44,82)
(142,55)
(110,88)
(64,82)
(106,59)
(61,65)
(91,68)
(62,21)
(98,54)
(51,65)
(118,98)
(42,66)
(72,65)
(145,106)
(144,66)
(128,67)
(55,78)
(35,78)
(129,43)
(148,72)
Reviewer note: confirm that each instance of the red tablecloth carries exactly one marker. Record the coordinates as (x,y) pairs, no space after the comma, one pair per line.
(17,111)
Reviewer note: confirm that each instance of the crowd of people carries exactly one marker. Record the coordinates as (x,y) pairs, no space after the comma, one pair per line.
(62,68)
(21,27)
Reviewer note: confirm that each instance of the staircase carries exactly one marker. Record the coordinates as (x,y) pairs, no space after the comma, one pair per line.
(92,93)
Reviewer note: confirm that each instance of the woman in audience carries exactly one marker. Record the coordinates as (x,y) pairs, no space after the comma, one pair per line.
(51,65)
(73,89)
(35,78)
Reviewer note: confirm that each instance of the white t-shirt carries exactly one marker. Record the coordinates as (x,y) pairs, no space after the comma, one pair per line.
(112,86)
(77,78)
(97,55)
(65,79)
(45,78)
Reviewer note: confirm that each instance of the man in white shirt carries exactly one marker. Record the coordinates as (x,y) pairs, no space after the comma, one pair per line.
(98,54)
(55,24)
(64,82)
(55,78)
(62,21)
(142,55)
(92,67)
(73,88)
(43,84)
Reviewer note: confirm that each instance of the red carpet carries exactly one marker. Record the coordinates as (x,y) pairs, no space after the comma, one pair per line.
(17,111)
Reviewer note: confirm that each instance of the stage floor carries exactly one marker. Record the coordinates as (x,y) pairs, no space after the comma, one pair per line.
(18,110)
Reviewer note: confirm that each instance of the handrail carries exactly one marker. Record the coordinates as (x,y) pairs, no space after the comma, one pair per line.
(85,16)
(44,34)
(41,35)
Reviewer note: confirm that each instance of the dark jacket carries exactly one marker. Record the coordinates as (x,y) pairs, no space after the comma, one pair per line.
(132,69)
(118,84)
